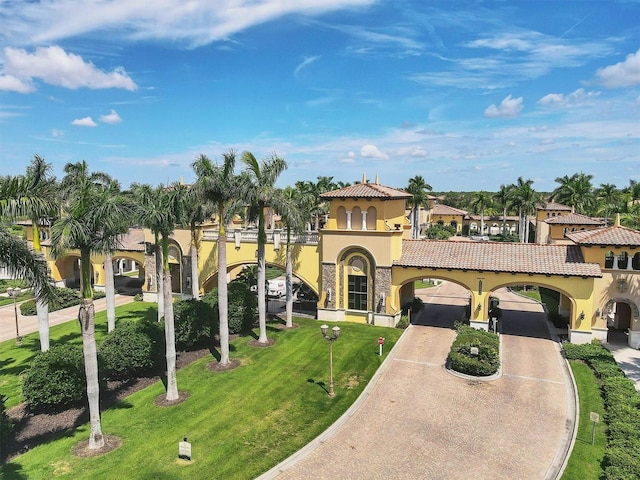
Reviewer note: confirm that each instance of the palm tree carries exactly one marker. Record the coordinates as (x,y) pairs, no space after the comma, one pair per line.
(219,186)
(145,195)
(610,199)
(34,196)
(161,215)
(502,198)
(577,192)
(417,187)
(292,212)
(113,198)
(526,200)
(263,193)
(481,201)
(196,212)
(87,217)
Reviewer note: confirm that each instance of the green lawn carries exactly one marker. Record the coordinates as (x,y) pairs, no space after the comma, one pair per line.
(241,422)
(14,359)
(585,460)
(424,284)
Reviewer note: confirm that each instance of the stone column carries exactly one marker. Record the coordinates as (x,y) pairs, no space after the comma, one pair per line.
(349,220)
(364,220)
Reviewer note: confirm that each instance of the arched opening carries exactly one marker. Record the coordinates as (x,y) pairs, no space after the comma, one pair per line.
(608,259)
(128,275)
(342,218)
(623,260)
(372,215)
(635,261)
(356,218)
(175,267)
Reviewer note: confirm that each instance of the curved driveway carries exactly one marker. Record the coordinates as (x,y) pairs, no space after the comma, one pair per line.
(419,421)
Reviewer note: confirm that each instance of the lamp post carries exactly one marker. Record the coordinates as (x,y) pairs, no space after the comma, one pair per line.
(15,293)
(334,336)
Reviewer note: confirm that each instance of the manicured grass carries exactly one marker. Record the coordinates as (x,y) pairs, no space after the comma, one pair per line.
(423,284)
(14,359)
(240,423)
(585,460)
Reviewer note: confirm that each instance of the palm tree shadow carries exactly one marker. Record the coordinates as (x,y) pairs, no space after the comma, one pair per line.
(320,384)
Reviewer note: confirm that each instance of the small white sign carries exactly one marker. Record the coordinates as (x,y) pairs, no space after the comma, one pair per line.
(184,450)
(595,417)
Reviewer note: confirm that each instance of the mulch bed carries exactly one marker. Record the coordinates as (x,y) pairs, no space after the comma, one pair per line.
(33,428)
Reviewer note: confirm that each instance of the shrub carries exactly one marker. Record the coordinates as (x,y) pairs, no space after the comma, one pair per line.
(137,297)
(488,359)
(6,426)
(55,378)
(242,306)
(415,305)
(403,322)
(195,321)
(127,351)
(65,297)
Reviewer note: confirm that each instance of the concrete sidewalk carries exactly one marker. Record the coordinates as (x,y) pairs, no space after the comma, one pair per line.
(29,324)
(418,421)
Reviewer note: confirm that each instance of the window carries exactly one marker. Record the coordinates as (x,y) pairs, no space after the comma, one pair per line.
(623,260)
(356,218)
(342,218)
(608,260)
(357,292)
(371,218)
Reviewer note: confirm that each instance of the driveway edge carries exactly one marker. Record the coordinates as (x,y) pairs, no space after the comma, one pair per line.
(333,428)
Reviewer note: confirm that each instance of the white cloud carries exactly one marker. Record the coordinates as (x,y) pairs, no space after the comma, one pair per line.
(578,97)
(10,83)
(111,118)
(195,22)
(84,122)
(54,66)
(350,158)
(307,61)
(509,107)
(416,151)
(371,151)
(622,74)
(55,133)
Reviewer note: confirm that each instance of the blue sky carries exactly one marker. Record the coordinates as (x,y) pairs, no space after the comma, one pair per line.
(468,94)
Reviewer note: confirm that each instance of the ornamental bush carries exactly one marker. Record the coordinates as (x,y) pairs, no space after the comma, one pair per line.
(485,363)
(242,306)
(195,322)
(6,426)
(65,297)
(55,379)
(128,351)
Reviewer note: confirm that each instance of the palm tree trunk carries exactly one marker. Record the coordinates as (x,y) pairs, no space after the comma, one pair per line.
(169,327)
(504,221)
(289,283)
(262,307)
(482,222)
(86,317)
(195,284)
(159,283)
(110,292)
(223,299)
(42,307)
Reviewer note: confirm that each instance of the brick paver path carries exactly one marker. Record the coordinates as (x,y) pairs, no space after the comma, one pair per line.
(422,422)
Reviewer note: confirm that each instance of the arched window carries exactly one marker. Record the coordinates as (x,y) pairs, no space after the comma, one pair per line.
(372,217)
(454,224)
(342,218)
(357,283)
(356,218)
(635,261)
(623,260)
(473,227)
(441,223)
(608,259)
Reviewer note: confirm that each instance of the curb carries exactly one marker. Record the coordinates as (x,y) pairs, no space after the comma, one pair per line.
(329,432)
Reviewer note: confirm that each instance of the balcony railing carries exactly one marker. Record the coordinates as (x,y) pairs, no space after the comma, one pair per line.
(251,236)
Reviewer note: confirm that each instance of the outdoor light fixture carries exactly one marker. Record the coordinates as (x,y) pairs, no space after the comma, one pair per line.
(622,285)
(237,235)
(324,329)
(328,294)
(581,316)
(479,307)
(15,293)
(597,312)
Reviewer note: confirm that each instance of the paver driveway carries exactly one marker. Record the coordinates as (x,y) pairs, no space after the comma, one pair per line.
(421,422)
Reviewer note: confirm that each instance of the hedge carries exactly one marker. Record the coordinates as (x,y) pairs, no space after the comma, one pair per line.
(622,411)
(65,297)
(485,363)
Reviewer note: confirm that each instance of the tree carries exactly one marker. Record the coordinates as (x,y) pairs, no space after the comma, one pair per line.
(576,191)
(292,212)
(526,200)
(262,194)
(161,215)
(34,196)
(222,189)
(417,187)
(502,199)
(87,217)
(481,201)
(609,198)
(196,212)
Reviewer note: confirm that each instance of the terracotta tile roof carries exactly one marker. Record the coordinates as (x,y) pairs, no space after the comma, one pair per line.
(554,206)
(497,257)
(574,219)
(367,190)
(610,236)
(132,241)
(440,209)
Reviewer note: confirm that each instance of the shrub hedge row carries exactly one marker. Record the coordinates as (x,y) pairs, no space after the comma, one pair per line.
(622,406)
(485,363)
(65,297)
